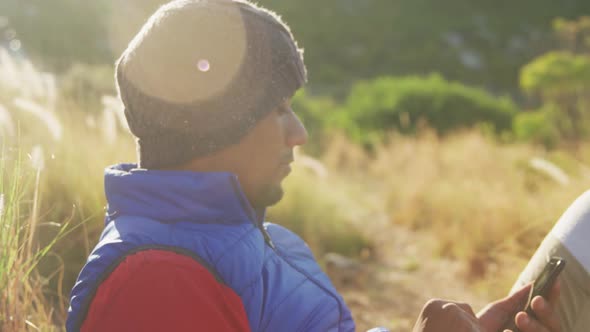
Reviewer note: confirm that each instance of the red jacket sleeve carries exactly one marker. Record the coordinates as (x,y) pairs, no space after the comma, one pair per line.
(156,290)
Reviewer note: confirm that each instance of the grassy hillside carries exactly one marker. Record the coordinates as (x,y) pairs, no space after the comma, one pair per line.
(486,204)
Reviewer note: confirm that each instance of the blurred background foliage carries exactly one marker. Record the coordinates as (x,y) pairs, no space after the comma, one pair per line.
(450,65)
(476,42)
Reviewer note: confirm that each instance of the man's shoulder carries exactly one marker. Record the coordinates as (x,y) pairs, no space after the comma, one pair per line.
(161,264)
(163,290)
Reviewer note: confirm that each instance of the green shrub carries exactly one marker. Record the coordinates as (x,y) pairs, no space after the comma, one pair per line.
(556,74)
(375,107)
(562,81)
(537,127)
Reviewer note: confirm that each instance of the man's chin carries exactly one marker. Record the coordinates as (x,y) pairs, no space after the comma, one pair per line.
(270,196)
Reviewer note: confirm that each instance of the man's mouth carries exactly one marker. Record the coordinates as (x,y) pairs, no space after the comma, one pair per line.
(285,165)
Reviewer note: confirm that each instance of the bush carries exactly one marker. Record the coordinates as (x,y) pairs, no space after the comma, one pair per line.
(375,107)
(562,81)
(555,74)
(537,127)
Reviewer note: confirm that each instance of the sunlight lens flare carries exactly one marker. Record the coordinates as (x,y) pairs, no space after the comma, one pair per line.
(203,65)
(37,158)
(175,62)
(15,45)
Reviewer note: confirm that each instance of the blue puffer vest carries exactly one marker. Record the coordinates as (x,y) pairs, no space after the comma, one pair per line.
(206,216)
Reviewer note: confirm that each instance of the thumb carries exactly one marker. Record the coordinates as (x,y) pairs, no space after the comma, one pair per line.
(517,300)
(495,314)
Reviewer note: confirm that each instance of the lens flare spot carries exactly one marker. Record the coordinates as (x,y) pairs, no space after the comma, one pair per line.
(203,65)
(37,158)
(15,45)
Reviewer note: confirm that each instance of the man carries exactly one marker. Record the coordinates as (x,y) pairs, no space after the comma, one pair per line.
(206,86)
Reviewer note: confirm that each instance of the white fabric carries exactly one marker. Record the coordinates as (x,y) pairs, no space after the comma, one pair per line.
(573,230)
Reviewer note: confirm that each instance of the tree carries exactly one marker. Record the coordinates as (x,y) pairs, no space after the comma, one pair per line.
(561,79)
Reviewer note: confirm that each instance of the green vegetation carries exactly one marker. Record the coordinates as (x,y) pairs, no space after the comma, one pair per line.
(407,104)
(23,300)
(537,127)
(374,108)
(474,42)
(560,81)
(71,31)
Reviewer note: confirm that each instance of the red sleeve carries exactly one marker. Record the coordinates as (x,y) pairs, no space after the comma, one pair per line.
(156,290)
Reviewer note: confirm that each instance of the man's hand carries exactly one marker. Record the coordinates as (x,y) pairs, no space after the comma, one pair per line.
(495,315)
(441,315)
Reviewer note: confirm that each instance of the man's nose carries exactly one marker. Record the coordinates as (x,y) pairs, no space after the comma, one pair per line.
(296,133)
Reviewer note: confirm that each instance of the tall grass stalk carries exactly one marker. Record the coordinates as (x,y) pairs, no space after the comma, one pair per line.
(44,114)
(6,123)
(23,304)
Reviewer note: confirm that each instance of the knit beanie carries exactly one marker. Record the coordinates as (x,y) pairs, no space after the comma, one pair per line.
(200,74)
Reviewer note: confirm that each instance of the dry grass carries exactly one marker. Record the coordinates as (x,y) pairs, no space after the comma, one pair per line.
(50,174)
(487,203)
(322,209)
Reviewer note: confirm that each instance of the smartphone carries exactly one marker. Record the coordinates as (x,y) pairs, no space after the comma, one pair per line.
(541,286)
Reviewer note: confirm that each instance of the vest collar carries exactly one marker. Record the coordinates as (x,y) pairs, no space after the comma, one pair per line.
(174,196)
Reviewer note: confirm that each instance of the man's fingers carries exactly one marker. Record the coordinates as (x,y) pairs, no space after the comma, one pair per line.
(496,315)
(546,313)
(547,319)
(527,324)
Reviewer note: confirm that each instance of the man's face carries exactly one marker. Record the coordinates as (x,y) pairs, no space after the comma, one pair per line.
(261,159)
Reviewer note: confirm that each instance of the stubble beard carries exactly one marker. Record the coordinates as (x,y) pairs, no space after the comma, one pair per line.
(268,196)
